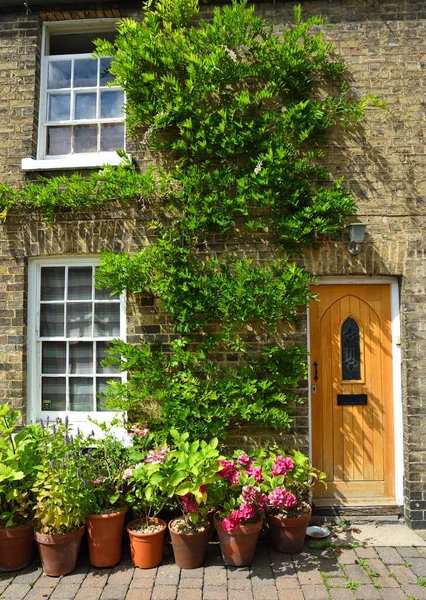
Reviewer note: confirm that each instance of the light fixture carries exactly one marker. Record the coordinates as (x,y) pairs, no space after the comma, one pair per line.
(356,237)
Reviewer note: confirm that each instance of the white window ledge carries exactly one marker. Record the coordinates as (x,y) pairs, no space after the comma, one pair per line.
(74,161)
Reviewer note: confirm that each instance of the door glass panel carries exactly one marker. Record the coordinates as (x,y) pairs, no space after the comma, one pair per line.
(351,351)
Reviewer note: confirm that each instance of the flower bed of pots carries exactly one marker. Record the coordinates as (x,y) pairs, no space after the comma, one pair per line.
(67,483)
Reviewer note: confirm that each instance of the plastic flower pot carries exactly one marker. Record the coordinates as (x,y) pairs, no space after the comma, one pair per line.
(146,548)
(105,535)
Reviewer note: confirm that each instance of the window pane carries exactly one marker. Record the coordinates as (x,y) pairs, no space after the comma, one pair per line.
(53,395)
(351,354)
(112,104)
(77,43)
(59,107)
(53,359)
(52,320)
(52,283)
(105,75)
(80,283)
(107,320)
(85,138)
(85,73)
(105,293)
(112,137)
(85,106)
(81,393)
(79,319)
(101,386)
(59,74)
(58,140)
(101,347)
(81,357)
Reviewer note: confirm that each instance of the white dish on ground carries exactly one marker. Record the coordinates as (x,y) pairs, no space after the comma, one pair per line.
(317,532)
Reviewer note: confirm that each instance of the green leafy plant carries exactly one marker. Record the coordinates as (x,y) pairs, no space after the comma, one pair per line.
(19,459)
(352,585)
(421,582)
(62,497)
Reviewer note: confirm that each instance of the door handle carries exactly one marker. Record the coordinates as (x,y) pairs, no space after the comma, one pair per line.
(316,371)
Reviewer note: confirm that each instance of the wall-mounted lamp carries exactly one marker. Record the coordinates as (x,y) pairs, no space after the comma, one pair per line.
(356,236)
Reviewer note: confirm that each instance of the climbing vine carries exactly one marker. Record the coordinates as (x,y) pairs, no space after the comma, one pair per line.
(238,116)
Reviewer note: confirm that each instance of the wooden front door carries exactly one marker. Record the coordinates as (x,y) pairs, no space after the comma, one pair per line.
(352,402)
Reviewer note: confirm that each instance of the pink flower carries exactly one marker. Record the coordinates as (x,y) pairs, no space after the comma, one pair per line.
(250,494)
(234,478)
(157,457)
(231,522)
(128,473)
(203,489)
(243,460)
(139,430)
(189,503)
(262,501)
(282,465)
(229,469)
(247,511)
(100,480)
(280,497)
(256,472)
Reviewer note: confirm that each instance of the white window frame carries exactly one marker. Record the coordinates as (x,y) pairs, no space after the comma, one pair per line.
(82,160)
(34,411)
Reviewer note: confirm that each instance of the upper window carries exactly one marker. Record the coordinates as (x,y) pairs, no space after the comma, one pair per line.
(81,118)
(71,327)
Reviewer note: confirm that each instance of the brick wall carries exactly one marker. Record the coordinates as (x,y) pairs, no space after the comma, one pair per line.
(384,163)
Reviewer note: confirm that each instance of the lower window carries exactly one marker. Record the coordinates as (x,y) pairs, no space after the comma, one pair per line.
(71,325)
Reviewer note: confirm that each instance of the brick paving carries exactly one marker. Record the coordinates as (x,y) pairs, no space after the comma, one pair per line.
(321,572)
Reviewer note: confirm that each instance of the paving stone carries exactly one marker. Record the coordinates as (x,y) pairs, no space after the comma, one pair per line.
(403,574)
(215,592)
(309,577)
(77,576)
(140,584)
(331,568)
(187,595)
(375,564)
(366,552)
(284,595)
(96,578)
(386,582)
(265,593)
(44,581)
(409,552)
(342,594)
(367,592)
(390,556)
(393,594)
(194,584)
(3,586)
(192,573)
(16,591)
(144,574)
(262,577)
(238,573)
(63,591)
(39,594)
(121,575)
(168,575)
(415,591)
(418,566)
(314,592)
(287,583)
(28,575)
(336,582)
(114,592)
(138,594)
(214,576)
(87,593)
(237,595)
(283,569)
(239,584)
(357,573)
(347,556)
(164,592)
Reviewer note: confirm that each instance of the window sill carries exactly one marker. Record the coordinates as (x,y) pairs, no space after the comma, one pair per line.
(76,161)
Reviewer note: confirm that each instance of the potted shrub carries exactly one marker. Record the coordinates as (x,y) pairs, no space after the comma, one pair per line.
(62,499)
(288,481)
(145,495)
(106,464)
(18,462)
(192,468)
(239,522)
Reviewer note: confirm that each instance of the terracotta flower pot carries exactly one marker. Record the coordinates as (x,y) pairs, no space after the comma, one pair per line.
(189,548)
(105,534)
(238,547)
(288,535)
(59,553)
(146,548)
(16,547)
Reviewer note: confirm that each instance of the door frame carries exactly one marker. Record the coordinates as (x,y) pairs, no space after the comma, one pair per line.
(396,369)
